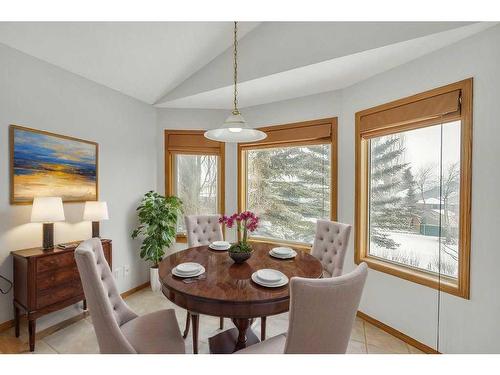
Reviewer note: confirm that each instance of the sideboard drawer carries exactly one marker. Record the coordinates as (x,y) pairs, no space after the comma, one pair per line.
(52,262)
(59,293)
(48,279)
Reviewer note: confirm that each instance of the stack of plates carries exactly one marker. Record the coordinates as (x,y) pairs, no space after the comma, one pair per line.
(220,245)
(282,252)
(188,270)
(269,278)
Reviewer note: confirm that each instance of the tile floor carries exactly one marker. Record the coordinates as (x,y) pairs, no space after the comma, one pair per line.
(79,337)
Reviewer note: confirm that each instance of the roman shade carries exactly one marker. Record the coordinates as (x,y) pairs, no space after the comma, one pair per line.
(443,104)
(302,132)
(186,140)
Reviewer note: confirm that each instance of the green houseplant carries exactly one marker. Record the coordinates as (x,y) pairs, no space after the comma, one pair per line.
(158,216)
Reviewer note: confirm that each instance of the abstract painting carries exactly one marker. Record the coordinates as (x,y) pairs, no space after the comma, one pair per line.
(47,164)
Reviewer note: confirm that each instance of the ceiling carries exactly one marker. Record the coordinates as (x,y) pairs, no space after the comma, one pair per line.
(189,64)
(144,60)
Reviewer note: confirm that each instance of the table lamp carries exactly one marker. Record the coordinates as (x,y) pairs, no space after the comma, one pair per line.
(95,211)
(47,210)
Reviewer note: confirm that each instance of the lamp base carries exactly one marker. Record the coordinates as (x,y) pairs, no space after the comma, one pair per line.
(48,236)
(95,229)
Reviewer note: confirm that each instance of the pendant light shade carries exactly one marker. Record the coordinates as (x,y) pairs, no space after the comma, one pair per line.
(235,128)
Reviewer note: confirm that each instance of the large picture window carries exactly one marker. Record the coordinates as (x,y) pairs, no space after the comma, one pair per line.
(289,180)
(194,173)
(413,188)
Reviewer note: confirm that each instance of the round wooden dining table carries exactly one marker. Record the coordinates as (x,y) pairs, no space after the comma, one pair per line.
(227,290)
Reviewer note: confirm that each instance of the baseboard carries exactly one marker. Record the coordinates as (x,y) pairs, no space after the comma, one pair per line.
(394,332)
(133,290)
(6,325)
(10,323)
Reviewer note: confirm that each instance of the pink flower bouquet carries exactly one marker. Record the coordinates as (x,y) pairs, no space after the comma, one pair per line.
(245,221)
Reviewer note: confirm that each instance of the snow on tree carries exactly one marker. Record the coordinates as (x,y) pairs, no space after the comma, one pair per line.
(385,183)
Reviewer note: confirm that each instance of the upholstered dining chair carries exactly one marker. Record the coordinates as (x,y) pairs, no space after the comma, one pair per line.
(119,329)
(202,230)
(322,313)
(330,245)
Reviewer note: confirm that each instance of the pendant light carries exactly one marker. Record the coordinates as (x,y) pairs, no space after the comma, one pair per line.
(235,128)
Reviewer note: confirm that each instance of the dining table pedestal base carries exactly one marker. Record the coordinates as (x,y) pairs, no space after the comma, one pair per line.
(233,339)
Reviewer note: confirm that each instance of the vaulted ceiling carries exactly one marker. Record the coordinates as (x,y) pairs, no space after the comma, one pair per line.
(189,64)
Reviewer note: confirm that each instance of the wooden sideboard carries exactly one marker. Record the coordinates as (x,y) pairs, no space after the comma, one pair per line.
(47,281)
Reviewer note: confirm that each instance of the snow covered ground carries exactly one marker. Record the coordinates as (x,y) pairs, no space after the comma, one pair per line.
(418,251)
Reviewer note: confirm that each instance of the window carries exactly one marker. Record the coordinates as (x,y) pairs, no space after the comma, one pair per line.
(413,188)
(194,173)
(289,180)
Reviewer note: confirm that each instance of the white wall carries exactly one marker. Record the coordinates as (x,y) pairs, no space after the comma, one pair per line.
(39,95)
(466,326)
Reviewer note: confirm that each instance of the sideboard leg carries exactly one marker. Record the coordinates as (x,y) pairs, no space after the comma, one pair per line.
(221,322)
(16,320)
(32,333)
(262,328)
(195,319)
(85,304)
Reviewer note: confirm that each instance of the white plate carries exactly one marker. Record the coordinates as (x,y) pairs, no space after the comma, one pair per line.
(282,251)
(293,254)
(188,268)
(268,275)
(200,272)
(283,281)
(221,244)
(214,247)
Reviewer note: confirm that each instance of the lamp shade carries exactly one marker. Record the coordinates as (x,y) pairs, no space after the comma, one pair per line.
(47,210)
(235,130)
(95,211)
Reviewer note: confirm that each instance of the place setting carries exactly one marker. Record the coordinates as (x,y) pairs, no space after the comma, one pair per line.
(219,245)
(189,272)
(269,278)
(283,252)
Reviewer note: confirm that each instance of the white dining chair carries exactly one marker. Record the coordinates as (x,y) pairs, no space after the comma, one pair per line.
(330,246)
(201,230)
(119,329)
(322,313)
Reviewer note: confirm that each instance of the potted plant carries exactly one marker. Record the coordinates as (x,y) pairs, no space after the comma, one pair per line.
(246,221)
(158,217)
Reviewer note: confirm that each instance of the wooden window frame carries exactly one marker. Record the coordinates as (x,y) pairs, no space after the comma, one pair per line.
(306,133)
(196,144)
(460,287)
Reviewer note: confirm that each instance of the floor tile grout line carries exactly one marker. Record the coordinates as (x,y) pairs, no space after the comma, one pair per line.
(50,346)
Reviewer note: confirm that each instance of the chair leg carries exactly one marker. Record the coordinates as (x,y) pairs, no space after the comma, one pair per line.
(221,322)
(196,321)
(262,328)
(186,328)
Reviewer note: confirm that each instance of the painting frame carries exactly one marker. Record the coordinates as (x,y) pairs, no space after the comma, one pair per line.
(13,128)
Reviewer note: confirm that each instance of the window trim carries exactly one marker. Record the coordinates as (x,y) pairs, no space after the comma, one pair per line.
(198,145)
(461,288)
(294,134)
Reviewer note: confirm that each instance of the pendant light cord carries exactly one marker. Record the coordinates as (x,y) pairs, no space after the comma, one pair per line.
(235,67)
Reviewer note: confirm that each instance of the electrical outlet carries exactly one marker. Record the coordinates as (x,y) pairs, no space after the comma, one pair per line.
(117,273)
(126,270)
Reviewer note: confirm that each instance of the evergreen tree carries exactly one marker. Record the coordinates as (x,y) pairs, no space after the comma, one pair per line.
(289,188)
(385,183)
(409,204)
